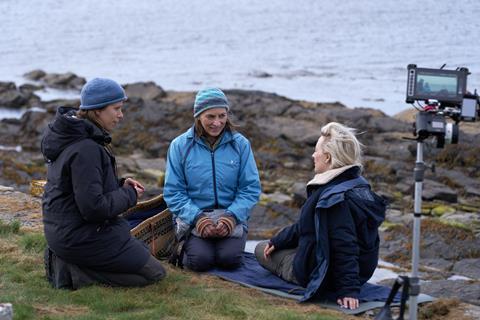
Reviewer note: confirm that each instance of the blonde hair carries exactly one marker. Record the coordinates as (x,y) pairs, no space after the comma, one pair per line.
(342,145)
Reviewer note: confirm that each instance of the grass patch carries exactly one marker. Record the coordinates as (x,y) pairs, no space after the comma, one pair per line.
(182,295)
(33,242)
(9,228)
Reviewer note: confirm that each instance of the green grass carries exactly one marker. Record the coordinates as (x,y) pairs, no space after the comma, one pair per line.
(182,295)
(9,228)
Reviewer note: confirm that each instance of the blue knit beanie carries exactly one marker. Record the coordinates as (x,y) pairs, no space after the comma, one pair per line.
(99,93)
(209,98)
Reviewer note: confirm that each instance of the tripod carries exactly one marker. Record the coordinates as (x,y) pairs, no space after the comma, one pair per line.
(411,285)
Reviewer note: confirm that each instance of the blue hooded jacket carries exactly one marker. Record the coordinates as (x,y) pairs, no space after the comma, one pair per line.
(198,177)
(336,236)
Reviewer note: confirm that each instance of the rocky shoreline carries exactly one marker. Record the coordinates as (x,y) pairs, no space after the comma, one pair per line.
(283,133)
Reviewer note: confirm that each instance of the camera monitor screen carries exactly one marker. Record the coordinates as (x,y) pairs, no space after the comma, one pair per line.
(447,86)
(436,85)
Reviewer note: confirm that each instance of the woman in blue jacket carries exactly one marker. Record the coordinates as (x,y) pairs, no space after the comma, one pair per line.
(333,248)
(211,184)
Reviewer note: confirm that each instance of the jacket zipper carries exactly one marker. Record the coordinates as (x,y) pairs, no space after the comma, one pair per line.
(214,180)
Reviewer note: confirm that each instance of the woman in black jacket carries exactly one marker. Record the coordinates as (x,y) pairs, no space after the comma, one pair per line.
(88,241)
(333,247)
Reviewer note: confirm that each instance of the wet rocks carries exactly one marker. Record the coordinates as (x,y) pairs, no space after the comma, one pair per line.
(68,80)
(468,291)
(144,90)
(447,243)
(13,97)
(469,268)
(266,220)
(35,75)
(437,191)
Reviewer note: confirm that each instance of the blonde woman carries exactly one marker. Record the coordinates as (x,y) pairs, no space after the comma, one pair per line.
(333,247)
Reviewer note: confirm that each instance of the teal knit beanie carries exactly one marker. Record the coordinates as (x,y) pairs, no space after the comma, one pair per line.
(209,98)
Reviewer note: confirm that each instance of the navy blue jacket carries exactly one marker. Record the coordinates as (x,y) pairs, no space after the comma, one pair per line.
(83,198)
(336,236)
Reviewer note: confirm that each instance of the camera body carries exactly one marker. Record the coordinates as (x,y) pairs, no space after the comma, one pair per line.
(445,95)
(430,124)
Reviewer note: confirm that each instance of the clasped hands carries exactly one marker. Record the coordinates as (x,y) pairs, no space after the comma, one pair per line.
(207,228)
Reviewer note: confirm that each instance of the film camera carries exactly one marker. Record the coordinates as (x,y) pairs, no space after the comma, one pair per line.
(444,94)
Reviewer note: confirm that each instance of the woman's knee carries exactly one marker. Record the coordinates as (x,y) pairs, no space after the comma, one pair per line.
(260,247)
(200,262)
(229,260)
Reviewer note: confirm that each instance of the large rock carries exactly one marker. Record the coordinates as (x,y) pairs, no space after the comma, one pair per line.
(33,124)
(463,218)
(266,220)
(7,86)
(299,191)
(468,291)
(437,239)
(469,268)
(66,80)
(11,97)
(144,91)
(433,190)
(35,75)
(276,197)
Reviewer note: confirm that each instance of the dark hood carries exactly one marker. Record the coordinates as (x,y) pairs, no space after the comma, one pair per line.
(372,206)
(65,129)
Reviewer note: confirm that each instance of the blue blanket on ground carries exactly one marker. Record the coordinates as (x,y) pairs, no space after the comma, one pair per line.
(253,275)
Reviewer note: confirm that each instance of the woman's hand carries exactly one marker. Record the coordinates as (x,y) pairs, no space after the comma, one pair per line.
(209,231)
(222,230)
(225,226)
(268,250)
(206,227)
(139,188)
(139,191)
(348,303)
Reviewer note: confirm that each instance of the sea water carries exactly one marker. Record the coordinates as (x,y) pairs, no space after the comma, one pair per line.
(352,51)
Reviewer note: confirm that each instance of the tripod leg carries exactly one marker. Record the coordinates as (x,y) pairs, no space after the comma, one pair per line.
(405,293)
(385,313)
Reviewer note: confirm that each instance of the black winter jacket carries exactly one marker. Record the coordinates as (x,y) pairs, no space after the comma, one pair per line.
(341,232)
(83,198)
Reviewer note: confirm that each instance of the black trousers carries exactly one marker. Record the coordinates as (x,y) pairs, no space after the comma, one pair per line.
(202,254)
(64,275)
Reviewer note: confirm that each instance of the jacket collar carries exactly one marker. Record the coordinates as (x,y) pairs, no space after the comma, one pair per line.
(327,176)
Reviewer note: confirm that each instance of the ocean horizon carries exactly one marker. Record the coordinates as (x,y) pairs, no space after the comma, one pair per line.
(353,52)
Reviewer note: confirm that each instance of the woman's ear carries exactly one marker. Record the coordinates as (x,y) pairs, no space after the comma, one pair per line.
(328,157)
